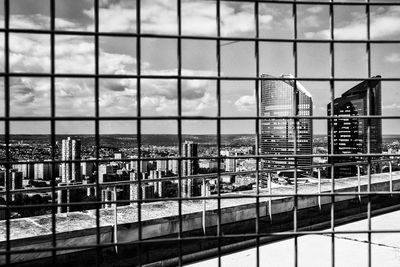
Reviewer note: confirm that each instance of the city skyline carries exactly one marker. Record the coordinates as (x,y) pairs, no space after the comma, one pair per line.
(184,132)
(74,54)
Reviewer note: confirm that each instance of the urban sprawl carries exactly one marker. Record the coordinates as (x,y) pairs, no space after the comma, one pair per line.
(76,176)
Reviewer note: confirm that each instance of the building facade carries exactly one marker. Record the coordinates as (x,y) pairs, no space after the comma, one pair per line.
(350,135)
(189,167)
(45,171)
(71,150)
(27,169)
(230,164)
(284,98)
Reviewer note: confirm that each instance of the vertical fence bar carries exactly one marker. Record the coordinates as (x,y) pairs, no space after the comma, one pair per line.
(219,222)
(139,124)
(257,143)
(7,124)
(115,219)
(359,181)
(390,178)
(179,59)
(295,134)
(97,128)
(319,188)
(367,10)
(332,124)
(270,198)
(53,128)
(204,193)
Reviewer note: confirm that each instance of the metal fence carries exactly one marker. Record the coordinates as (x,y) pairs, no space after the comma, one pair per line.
(52,32)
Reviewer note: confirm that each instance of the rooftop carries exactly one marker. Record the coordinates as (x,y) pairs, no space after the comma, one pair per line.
(73,221)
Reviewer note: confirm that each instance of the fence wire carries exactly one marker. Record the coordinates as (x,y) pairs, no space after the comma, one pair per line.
(180,77)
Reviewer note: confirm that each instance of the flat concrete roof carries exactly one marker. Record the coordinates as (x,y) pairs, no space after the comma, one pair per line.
(351,250)
(72,221)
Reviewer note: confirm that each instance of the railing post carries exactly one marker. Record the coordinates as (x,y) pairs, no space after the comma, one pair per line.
(114,196)
(390,177)
(270,198)
(68,197)
(319,188)
(204,206)
(115,220)
(359,181)
(59,201)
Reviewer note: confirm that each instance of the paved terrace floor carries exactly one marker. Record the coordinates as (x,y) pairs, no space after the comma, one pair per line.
(72,221)
(351,250)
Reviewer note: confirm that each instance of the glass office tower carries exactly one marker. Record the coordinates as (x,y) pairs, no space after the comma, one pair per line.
(280,98)
(350,135)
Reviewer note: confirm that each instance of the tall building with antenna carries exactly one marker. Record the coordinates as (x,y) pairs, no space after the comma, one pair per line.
(71,150)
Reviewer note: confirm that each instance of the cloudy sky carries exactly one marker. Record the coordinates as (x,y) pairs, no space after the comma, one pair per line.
(75,54)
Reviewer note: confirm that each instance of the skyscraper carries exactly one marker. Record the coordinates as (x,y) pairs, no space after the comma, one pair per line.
(279,98)
(44,171)
(350,135)
(71,150)
(230,164)
(189,167)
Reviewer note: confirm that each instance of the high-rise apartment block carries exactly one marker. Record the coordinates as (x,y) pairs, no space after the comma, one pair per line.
(162,165)
(71,150)
(44,171)
(350,135)
(189,167)
(143,166)
(27,169)
(285,98)
(87,169)
(230,164)
(173,166)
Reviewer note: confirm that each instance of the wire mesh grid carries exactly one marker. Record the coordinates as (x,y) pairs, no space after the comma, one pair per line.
(180,117)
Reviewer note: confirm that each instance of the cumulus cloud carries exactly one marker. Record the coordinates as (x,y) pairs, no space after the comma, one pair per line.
(113,63)
(160,16)
(245,103)
(35,21)
(355,30)
(159,97)
(74,97)
(29,53)
(156,16)
(205,105)
(117,97)
(385,23)
(75,54)
(29,97)
(236,19)
(315,9)
(199,17)
(125,21)
(193,89)
(393,58)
